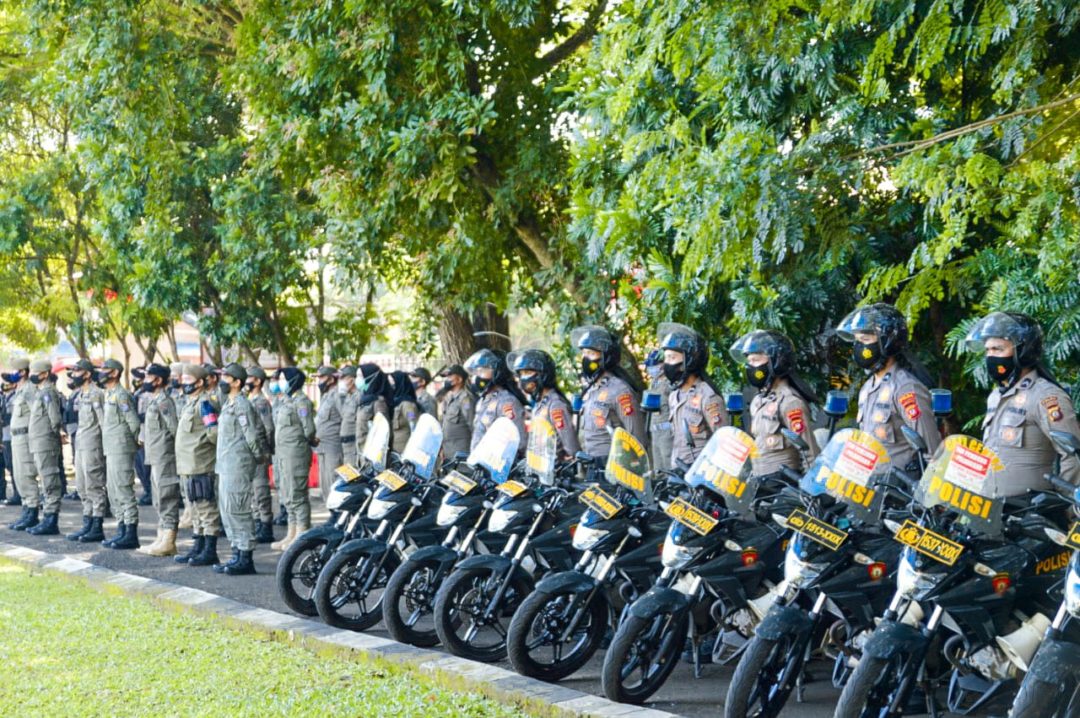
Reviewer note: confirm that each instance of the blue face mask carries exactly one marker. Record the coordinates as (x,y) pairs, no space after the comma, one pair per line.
(12,377)
(274,388)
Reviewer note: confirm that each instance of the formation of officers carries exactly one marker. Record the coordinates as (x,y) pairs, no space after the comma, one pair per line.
(211,437)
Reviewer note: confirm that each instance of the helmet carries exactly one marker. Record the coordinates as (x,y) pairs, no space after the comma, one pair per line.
(535,360)
(490,359)
(885,320)
(1020,329)
(775,345)
(598,339)
(681,338)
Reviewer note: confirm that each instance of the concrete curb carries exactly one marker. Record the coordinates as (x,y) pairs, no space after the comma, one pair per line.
(537,697)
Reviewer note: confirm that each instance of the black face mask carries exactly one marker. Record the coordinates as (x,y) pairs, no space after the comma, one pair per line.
(867,356)
(35,379)
(248,388)
(757,376)
(174,383)
(325,386)
(101,378)
(1002,370)
(589,368)
(675,373)
(76,381)
(189,388)
(532,388)
(478,384)
(448,385)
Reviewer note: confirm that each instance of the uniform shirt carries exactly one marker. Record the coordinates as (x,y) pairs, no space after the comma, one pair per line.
(240,441)
(660,434)
(266,415)
(328,423)
(20,407)
(427,402)
(780,407)
(405,415)
(554,409)
(891,401)
(696,412)
(45,419)
(196,440)
(494,403)
(142,400)
(347,405)
(1017,426)
(609,403)
(90,400)
(5,413)
(159,433)
(365,414)
(294,429)
(458,415)
(120,424)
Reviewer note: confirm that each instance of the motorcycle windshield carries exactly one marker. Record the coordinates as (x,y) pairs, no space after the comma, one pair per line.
(628,465)
(497,449)
(423,447)
(540,455)
(849,470)
(965,478)
(724,468)
(378,440)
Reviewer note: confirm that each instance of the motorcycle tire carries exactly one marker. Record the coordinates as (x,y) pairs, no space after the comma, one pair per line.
(523,636)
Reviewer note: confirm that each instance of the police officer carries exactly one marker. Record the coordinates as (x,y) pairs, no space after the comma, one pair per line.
(536,375)
(421,377)
(328,429)
(895,393)
(294,426)
(609,400)
(176,393)
(196,461)
(348,403)
(119,436)
(262,503)
(159,442)
(142,467)
(274,387)
(660,435)
(458,411)
(44,432)
(697,410)
(7,468)
(491,381)
(404,411)
(783,401)
(1026,403)
(376,395)
(213,387)
(23,466)
(89,453)
(70,419)
(241,444)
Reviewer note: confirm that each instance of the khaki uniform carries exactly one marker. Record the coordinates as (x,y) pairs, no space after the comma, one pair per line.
(781,407)
(458,414)
(89,454)
(119,432)
(196,460)
(328,432)
(556,411)
(495,403)
(696,412)
(405,415)
(365,414)
(347,405)
(262,504)
(294,429)
(427,402)
(24,469)
(1017,426)
(896,399)
(159,442)
(46,419)
(241,443)
(661,437)
(609,403)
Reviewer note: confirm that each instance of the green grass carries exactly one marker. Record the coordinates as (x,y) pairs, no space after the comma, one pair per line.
(69,650)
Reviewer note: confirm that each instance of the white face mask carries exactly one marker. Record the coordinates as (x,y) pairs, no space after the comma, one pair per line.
(342,389)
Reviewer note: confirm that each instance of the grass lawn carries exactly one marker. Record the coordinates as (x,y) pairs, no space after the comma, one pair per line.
(69,650)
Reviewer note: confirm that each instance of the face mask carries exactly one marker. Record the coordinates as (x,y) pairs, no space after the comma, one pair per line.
(654,371)
(478,384)
(675,373)
(325,386)
(342,389)
(102,378)
(248,388)
(76,381)
(35,379)
(274,388)
(1001,369)
(447,385)
(12,378)
(417,387)
(283,386)
(189,388)
(589,367)
(757,376)
(867,356)
(531,386)
(174,383)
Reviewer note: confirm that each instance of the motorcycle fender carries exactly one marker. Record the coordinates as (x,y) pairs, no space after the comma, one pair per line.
(783,621)
(330,534)
(573,581)
(894,638)
(373,547)
(496,563)
(442,554)
(657,601)
(1057,662)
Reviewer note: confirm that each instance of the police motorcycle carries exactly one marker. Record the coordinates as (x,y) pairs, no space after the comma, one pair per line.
(717,558)
(350,587)
(299,566)
(972,591)
(410,593)
(837,574)
(474,604)
(564,621)
(1051,687)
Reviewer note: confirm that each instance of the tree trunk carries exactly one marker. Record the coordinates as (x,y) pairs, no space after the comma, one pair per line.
(456,336)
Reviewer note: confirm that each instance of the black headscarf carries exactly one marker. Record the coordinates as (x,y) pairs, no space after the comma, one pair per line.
(403,389)
(375,385)
(294,376)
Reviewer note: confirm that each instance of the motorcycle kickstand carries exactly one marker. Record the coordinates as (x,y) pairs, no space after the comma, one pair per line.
(697,658)
(931,704)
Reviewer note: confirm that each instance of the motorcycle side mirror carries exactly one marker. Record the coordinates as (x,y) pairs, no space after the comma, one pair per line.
(1068,442)
(795,439)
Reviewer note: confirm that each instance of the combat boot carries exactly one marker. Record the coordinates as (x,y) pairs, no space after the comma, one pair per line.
(86,523)
(167,545)
(28,519)
(48,527)
(153,545)
(96,533)
(108,543)
(244,566)
(282,517)
(196,549)
(14,500)
(220,567)
(264,532)
(129,539)
(286,541)
(208,556)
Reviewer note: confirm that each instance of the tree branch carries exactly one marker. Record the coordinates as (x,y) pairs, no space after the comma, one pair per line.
(570,45)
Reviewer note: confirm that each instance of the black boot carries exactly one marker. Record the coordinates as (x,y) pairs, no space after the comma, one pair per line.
(108,543)
(220,567)
(196,549)
(73,496)
(96,532)
(145,500)
(244,565)
(87,521)
(282,517)
(28,519)
(208,556)
(48,527)
(129,539)
(17,524)
(264,532)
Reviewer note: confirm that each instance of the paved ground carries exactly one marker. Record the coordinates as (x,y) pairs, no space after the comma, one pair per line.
(683,694)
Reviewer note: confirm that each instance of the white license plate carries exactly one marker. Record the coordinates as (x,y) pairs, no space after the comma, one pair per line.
(685,584)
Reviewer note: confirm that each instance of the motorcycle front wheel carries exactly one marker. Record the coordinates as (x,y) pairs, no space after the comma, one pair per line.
(642,655)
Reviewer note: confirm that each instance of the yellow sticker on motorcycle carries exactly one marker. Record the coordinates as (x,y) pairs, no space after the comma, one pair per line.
(929,543)
(817,530)
(599,501)
(511,488)
(390,480)
(690,516)
(458,482)
(1073,539)
(347,472)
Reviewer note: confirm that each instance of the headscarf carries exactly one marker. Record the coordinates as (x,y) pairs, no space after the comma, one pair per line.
(375,385)
(403,389)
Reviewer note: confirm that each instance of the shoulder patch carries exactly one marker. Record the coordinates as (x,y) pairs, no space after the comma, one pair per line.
(301,411)
(242,418)
(558,418)
(911,405)
(796,421)
(1053,408)
(508,411)
(626,402)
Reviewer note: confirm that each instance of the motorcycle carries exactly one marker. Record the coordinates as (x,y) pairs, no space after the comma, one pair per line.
(299,566)
(349,591)
(717,559)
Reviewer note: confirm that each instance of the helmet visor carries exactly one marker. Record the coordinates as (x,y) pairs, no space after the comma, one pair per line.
(756,342)
(996,325)
(676,337)
(481,359)
(592,337)
(863,319)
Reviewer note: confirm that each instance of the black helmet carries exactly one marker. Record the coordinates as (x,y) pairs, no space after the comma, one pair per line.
(885,320)
(776,346)
(681,338)
(1020,329)
(598,339)
(535,360)
(492,360)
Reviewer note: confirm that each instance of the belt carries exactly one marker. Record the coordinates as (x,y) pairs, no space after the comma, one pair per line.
(662,426)
(20,432)
(348,439)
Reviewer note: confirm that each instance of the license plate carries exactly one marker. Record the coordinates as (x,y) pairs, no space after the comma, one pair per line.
(817,530)
(347,472)
(390,480)
(1073,538)
(600,502)
(511,488)
(685,584)
(929,543)
(691,517)
(458,482)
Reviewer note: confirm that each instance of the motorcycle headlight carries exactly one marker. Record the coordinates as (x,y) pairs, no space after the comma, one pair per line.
(500,519)
(676,556)
(912,583)
(336,499)
(449,513)
(797,572)
(585,538)
(379,508)
(1072,590)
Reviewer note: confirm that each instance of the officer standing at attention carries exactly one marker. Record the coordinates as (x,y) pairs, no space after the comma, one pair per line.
(7,468)
(142,467)
(22,460)
(404,411)
(660,435)
(176,369)
(697,410)
(294,425)
(89,452)
(348,402)
(328,429)
(609,398)
(491,381)
(421,377)
(783,401)
(196,454)
(895,393)
(458,411)
(376,394)
(241,443)
(262,503)
(1025,405)
(536,375)
(159,442)
(276,396)
(119,434)
(44,432)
